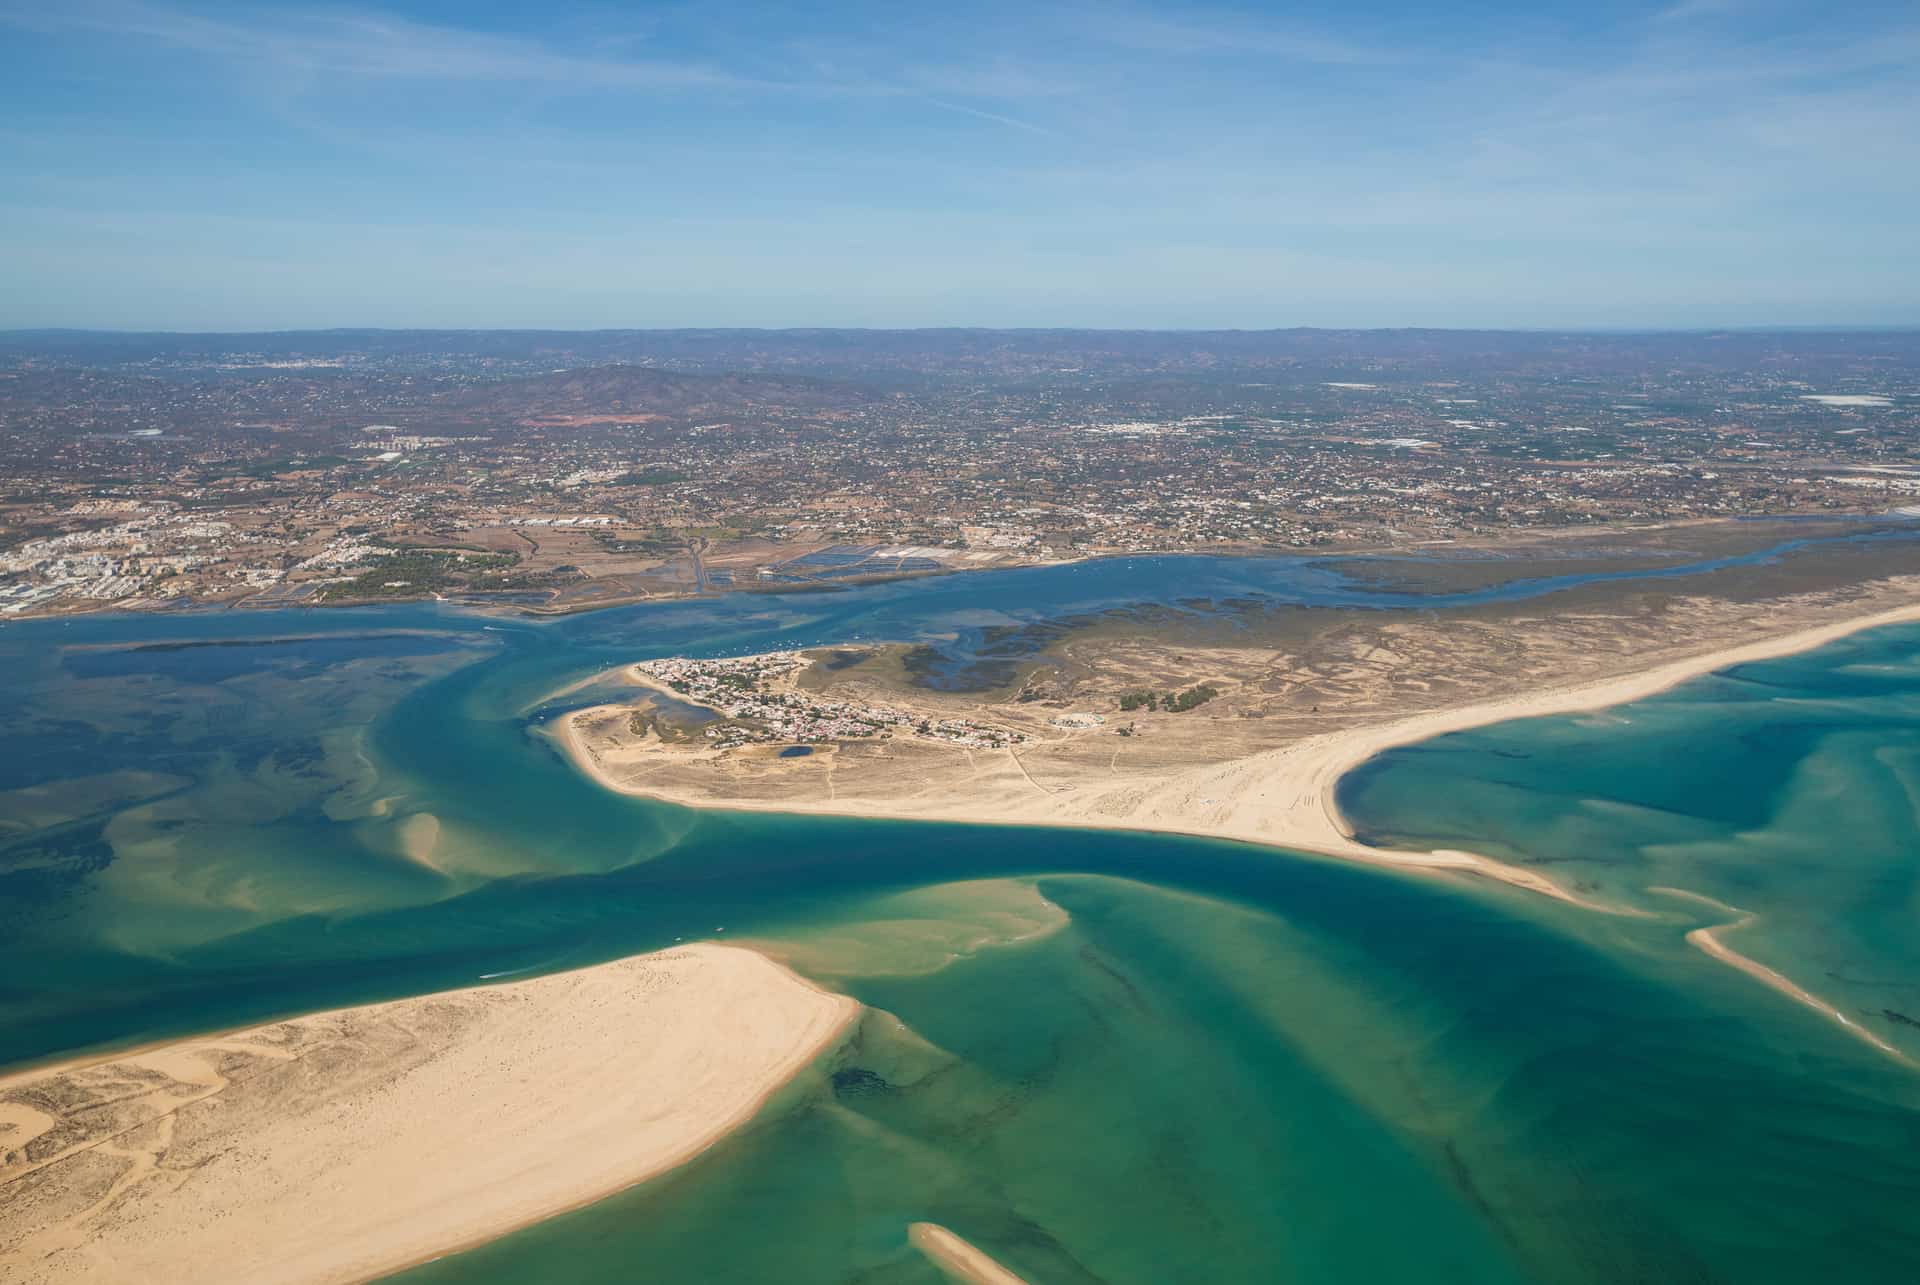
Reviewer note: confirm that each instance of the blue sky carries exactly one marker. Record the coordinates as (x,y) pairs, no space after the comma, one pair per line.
(1707,162)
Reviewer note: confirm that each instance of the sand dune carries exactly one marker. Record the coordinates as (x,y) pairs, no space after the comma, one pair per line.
(349,1144)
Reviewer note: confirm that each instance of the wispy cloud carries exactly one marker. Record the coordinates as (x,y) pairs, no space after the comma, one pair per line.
(292,50)
(366,44)
(1722,132)
(996,117)
(1696,10)
(1198,31)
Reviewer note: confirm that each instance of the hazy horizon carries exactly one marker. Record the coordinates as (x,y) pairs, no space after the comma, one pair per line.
(1761,328)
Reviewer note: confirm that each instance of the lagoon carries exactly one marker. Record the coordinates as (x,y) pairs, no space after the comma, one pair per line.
(1098,1056)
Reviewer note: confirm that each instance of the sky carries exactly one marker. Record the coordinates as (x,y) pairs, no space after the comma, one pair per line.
(209,166)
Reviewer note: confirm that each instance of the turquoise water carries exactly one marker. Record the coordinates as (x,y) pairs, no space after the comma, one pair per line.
(1099,1056)
(1294,1077)
(1789,789)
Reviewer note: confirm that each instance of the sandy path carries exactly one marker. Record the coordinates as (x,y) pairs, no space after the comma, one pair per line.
(349,1144)
(1286,797)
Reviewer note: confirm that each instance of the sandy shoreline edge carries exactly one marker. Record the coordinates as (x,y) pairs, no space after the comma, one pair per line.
(1285,797)
(350,1144)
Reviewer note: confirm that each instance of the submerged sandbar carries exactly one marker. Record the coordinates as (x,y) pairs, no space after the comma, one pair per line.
(959,1259)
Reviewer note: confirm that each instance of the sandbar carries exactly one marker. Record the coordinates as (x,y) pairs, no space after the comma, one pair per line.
(1711,942)
(348,1144)
(958,1258)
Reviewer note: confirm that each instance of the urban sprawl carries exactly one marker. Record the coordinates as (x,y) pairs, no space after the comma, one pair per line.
(579,471)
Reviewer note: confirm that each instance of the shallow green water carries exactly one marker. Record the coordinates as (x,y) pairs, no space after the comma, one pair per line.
(1289,1078)
(1098,1056)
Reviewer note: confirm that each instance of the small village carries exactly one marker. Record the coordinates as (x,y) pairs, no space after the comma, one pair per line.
(754,695)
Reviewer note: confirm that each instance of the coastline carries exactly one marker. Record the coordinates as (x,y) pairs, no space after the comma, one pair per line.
(1285,797)
(353,1143)
(1289,797)
(503,603)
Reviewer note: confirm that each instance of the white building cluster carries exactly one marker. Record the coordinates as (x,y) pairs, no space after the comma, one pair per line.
(739,689)
(111,563)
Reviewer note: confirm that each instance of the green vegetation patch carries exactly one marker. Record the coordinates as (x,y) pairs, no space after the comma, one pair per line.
(1170,702)
(652,477)
(409,573)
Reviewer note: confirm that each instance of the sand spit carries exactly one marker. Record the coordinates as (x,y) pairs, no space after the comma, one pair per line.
(345,1145)
(958,1258)
(1288,797)
(1285,797)
(1709,940)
